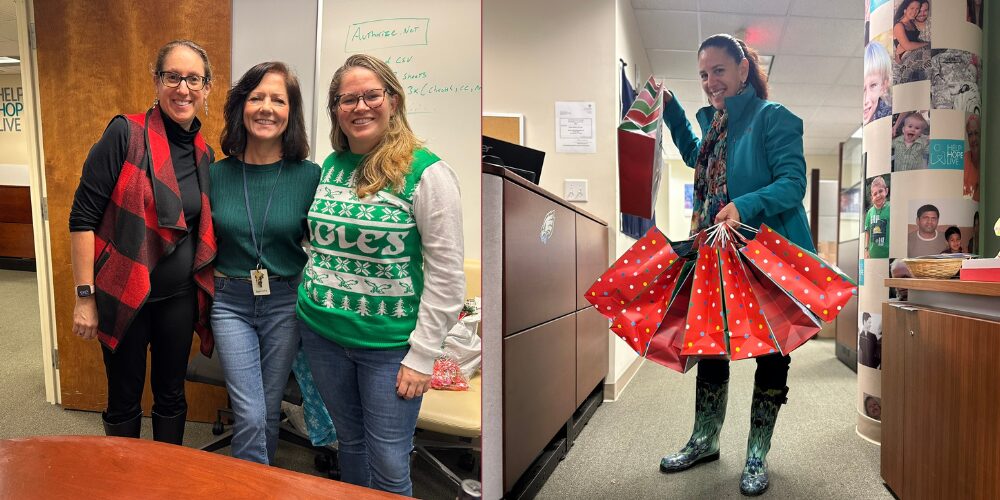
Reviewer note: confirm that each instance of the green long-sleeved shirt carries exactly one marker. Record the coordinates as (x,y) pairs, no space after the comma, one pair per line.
(286,221)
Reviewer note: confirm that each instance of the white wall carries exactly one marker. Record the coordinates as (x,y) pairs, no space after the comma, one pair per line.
(537,53)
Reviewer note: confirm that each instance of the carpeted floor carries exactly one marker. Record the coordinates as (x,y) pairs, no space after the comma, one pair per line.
(24,412)
(815,453)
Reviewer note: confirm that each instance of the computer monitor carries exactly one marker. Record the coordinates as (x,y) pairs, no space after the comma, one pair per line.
(521,160)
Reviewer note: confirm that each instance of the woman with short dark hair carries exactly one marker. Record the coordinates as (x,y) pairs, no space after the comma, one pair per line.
(261,194)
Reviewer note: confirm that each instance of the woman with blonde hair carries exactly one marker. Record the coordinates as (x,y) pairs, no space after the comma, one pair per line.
(384,280)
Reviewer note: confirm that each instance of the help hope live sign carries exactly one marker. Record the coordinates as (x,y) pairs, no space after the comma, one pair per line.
(11,106)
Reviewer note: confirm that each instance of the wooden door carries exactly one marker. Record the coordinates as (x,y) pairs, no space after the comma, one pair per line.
(951,425)
(94,61)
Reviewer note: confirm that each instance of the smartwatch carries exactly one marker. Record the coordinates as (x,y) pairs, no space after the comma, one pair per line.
(84,291)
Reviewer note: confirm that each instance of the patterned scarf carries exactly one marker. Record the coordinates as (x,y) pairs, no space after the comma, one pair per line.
(710,192)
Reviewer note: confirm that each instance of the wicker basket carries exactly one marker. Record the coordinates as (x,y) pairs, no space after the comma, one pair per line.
(933,268)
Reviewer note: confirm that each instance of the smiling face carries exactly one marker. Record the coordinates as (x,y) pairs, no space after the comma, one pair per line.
(364,126)
(923,12)
(955,243)
(913,127)
(265,112)
(878,194)
(721,75)
(927,223)
(180,103)
(875,87)
(910,12)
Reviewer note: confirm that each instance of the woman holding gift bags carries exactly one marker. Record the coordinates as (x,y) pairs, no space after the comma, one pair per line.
(750,169)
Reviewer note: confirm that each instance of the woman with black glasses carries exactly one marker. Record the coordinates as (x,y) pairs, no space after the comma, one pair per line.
(143,245)
(384,280)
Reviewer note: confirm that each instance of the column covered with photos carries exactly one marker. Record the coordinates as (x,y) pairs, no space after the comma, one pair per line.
(921,120)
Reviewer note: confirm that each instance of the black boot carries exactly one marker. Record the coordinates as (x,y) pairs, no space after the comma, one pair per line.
(763,414)
(709,413)
(129,428)
(169,429)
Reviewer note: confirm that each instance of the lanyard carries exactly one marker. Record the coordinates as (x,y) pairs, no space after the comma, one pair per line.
(246,196)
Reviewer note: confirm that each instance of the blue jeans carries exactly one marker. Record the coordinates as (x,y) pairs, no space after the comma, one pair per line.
(374,426)
(257,338)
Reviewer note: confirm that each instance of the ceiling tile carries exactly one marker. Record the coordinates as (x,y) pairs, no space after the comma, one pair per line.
(803,111)
(691,5)
(854,72)
(681,64)
(812,36)
(786,93)
(673,30)
(835,130)
(843,9)
(845,95)
(761,32)
(807,69)
(838,114)
(769,7)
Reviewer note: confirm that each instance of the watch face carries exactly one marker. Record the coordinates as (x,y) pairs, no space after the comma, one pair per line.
(84,291)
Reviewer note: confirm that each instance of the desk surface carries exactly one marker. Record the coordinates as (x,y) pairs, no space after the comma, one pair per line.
(954,286)
(93,467)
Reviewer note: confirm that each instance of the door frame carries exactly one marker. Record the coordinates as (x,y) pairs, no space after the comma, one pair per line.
(24,15)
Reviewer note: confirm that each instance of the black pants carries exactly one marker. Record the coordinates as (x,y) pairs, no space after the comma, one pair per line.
(772,371)
(166,327)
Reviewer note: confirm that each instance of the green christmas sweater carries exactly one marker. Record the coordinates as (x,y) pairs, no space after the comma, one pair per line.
(362,283)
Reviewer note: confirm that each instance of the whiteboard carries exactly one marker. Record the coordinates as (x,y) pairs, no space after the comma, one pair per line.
(434,48)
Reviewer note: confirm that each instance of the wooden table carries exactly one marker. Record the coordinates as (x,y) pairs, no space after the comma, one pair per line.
(97,467)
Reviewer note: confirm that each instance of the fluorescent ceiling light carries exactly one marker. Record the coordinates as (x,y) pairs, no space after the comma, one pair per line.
(9,60)
(765,62)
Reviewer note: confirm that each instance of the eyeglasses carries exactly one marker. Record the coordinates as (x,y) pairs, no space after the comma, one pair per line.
(373,99)
(172,80)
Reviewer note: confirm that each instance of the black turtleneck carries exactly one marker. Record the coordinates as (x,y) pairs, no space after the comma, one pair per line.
(173,274)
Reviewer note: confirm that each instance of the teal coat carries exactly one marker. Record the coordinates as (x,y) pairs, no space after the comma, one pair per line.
(765,170)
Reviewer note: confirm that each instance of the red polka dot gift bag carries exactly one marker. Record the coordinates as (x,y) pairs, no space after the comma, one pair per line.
(635,294)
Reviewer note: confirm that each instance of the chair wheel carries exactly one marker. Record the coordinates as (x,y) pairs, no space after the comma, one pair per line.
(467,462)
(322,462)
(218,428)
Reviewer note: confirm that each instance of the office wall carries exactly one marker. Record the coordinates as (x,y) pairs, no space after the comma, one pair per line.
(13,141)
(260,33)
(537,53)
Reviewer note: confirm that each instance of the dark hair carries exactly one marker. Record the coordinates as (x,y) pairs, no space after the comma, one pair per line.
(975,217)
(165,50)
(952,230)
(902,7)
(294,144)
(739,51)
(927,208)
(865,316)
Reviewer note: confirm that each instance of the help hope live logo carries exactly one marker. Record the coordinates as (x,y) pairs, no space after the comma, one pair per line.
(11,106)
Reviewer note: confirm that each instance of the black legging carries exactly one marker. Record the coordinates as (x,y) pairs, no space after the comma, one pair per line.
(166,327)
(772,371)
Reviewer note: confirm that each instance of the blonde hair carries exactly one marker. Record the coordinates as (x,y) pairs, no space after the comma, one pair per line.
(877,60)
(388,163)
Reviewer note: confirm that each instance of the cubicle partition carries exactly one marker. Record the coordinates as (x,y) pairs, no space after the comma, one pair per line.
(547,348)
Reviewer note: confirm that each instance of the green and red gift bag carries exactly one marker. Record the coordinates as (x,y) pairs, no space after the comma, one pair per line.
(767,297)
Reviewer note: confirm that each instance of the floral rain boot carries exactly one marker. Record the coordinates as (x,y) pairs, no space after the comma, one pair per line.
(763,414)
(709,413)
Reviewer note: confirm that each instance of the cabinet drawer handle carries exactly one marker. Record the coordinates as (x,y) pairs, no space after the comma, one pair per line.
(911,333)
